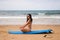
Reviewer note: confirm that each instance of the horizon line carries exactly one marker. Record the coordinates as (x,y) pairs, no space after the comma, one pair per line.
(50,9)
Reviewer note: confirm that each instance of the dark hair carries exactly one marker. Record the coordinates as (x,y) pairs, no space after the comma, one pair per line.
(30,17)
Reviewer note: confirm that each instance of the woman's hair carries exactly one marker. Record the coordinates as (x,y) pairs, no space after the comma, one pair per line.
(30,17)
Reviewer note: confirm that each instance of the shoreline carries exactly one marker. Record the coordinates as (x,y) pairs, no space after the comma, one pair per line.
(19,21)
(34,17)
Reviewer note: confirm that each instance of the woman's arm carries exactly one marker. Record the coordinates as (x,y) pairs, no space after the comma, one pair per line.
(27,23)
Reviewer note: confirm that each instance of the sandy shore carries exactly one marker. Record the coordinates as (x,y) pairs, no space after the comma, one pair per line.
(5,36)
(18,21)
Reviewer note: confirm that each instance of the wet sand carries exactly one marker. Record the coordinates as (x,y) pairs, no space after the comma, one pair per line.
(4,35)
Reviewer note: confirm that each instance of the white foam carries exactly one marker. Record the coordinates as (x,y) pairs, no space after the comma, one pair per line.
(19,21)
(32,16)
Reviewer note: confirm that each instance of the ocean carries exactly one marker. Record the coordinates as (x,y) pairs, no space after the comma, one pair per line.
(18,17)
(33,12)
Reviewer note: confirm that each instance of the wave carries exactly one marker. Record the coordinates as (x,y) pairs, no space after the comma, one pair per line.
(33,12)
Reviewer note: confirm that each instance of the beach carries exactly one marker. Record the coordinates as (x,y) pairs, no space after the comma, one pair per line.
(42,14)
(14,23)
(4,35)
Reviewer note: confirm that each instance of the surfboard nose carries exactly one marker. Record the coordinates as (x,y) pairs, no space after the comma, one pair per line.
(50,30)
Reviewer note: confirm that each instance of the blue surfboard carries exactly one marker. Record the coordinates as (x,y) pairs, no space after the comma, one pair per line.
(31,32)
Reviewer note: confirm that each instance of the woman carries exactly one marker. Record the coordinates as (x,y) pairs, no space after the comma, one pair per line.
(27,26)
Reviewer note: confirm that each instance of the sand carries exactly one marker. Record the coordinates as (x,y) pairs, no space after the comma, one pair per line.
(4,35)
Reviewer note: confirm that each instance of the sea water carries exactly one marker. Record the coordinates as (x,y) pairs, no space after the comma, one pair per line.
(33,12)
(17,17)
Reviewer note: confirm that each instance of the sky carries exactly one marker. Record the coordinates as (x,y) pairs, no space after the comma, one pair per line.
(29,4)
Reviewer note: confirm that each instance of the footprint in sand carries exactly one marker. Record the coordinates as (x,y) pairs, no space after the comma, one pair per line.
(47,36)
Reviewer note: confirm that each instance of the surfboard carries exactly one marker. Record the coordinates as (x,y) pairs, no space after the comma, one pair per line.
(31,32)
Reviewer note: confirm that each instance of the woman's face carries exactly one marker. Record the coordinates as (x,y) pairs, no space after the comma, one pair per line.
(28,16)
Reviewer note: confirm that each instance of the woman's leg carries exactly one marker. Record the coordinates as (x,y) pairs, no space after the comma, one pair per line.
(25,30)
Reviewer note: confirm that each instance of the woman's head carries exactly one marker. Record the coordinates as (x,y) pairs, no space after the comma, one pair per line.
(29,16)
